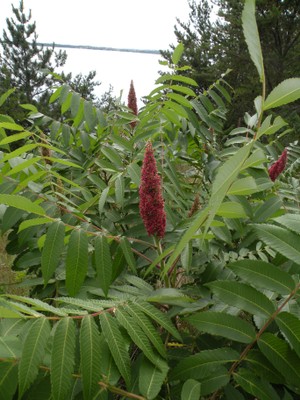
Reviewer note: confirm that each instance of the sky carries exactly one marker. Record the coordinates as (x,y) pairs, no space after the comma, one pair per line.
(137,24)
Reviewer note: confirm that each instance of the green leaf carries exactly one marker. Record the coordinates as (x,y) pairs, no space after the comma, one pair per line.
(151,378)
(242,296)
(10,347)
(55,95)
(243,187)
(263,368)
(214,381)
(264,275)
(190,390)
(284,93)
(281,240)
(267,209)
(158,316)
(128,254)
(8,380)
(187,236)
(177,53)
(225,177)
(22,203)
(134,171)
(290,221)
(90,351)
(103,263)
(116,345)
(63,358)
(281,356)
(231,209)
(89,114)
(289,325)
(5,96)
(113,156)
(178,78)
(21,166)
(28,223)
(33,353)
(225,325)
(11,126)
(255,386)
(138,336)
(119,190)
(197,365)
(52,249)
(268,129)
(108,366)
(179,99)
(15,137)
(38,304)
(67,103)
(252,37)
(7,310)
(102,199)
(183,89)
(145,324)
(76,261)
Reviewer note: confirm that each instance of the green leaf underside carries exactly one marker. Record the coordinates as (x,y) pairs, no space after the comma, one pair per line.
(284,93)
(252,36)
(159,317)
(145,324)
(151,378)
(63,358)
(243,296)
(33,352)
(138,336)
(116,345)
(90,351)
(221,324)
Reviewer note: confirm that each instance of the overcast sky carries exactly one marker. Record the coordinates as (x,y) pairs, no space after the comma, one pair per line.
(140,24)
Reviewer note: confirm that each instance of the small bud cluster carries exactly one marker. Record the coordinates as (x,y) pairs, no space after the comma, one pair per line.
(195,206)
(276,168)
(151,200)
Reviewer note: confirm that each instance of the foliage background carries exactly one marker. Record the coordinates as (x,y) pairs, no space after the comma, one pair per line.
(211,310)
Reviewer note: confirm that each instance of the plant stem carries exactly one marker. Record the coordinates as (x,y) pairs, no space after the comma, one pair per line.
(159,250)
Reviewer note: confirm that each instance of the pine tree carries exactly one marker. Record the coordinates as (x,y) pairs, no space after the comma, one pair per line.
(214,42)
(22,60)
(27,66)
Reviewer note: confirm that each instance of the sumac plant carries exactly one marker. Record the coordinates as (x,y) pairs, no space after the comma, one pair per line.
(203,302)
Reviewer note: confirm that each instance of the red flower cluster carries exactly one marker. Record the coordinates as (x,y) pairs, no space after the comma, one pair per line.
(132,103)
(276,168)
(151,200)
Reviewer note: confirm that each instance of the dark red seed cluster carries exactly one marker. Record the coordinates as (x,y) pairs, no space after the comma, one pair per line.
(132,103)
(151,199)
(276,168)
